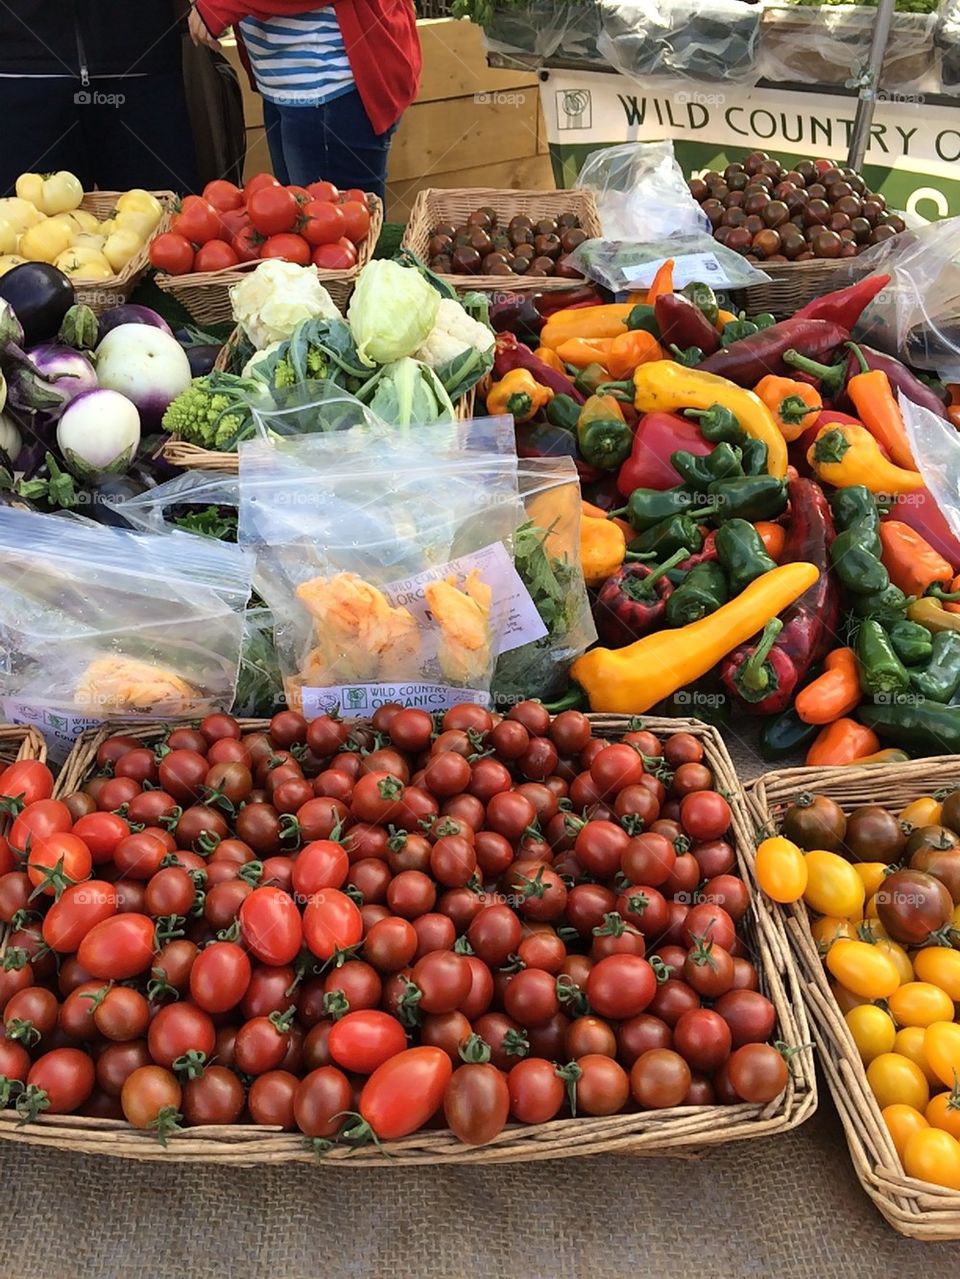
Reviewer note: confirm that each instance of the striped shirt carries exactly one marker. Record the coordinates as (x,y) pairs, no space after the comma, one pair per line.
(301,61)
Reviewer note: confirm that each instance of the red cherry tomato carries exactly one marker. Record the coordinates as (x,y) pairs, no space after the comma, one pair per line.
(356,220)
(362,1041)
(119,947)
(79,908)
(270,925)
(405,1092)
(215,255)
(331,922)
(223,195)
(323,223)
(340,256)
(27,780)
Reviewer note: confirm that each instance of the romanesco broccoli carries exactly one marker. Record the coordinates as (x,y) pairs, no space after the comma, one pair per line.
(214,412)
(317,366)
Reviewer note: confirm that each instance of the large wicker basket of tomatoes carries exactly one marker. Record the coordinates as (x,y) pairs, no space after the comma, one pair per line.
(447,938)
(866,864)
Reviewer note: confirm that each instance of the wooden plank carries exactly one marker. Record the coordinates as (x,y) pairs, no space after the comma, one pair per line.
(438,136)
(529,173)
(455,62)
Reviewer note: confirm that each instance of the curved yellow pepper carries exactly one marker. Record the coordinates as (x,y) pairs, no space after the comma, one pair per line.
(845,454)
(603,547)
(663,385)
(628,681)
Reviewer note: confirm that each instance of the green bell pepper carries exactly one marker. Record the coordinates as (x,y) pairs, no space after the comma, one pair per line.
(670,535)
(886,606)
(941,678)
(741,553)
(564,411)
(786,734)
(911,642)
(754,457)
(857,505)
(701,592)
(647,507)
(642,317)
(854,561)
(922,726)
(881,671)
(749,497)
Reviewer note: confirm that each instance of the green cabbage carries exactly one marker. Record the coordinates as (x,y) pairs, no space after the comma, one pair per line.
(392,311)
(408,393)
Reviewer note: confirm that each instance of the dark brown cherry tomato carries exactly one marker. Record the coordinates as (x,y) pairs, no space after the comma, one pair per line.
(216,1097)
(660,1078)
(476,1103)
(391,944)
(509,740)
(703,1038)
(534,716)
(320,1101)
(590,1035)
(757,1073)
(639,1035)
(570,731)
(603,1086)
(271,1099)
(447,1031)
(117,1062)
(648,858)
(682,748)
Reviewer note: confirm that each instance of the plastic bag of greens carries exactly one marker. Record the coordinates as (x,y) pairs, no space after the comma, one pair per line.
(683,39)
(621,265)
(99,623)
(196,501)
(387,561)
(259,682)
(532,32)
(546,553)
(640,187)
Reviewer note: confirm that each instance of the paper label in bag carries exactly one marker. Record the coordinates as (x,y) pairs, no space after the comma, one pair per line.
(688,267)
(61,730)
(363,699)
(514,616)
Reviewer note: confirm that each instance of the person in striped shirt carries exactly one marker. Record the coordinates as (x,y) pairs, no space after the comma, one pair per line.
(334,79)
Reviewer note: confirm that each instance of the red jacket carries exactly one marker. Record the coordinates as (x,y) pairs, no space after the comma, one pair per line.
(380,37)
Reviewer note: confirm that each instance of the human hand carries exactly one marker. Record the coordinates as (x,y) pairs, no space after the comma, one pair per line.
(199,31)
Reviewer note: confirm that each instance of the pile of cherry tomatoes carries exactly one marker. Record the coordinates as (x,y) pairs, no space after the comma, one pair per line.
(227,225)
(358,929)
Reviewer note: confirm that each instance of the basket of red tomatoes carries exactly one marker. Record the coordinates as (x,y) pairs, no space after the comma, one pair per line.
(441,937)
(215,236)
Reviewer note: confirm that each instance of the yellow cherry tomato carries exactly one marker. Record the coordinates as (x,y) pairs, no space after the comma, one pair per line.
(781,870)
(833,886)
(943,1112)
(870,909)
(827,929)
(898,956)
(909,1043)
(872,873)
(941,1044)
(925,811)
(9,235)
(144,224)
(872,1029)
(902,1121)
(940,965)
(932,1155)
(846,999)
(920,1003)
(893,1078)
(863,969)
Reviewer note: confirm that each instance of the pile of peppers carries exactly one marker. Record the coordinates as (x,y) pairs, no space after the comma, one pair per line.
(755,526)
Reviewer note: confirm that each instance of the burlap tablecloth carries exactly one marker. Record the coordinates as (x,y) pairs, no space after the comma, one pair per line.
(788,1206)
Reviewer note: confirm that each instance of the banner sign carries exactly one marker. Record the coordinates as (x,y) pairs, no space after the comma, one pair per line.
(912,156)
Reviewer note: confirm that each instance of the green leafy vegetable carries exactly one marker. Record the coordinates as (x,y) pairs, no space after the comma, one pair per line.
(212,521)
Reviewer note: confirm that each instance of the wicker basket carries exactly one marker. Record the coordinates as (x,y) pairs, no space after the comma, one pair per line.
(792,285)
(432,207)
(914,1208)
(682,1130)
(193,457)
(206,294)
(100,295)
(21,741)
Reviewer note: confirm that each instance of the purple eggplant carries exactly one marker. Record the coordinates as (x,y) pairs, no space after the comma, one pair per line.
(131,313)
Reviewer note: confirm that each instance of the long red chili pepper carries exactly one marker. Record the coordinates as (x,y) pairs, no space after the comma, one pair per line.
(809,624)
(844,306)
(748,360)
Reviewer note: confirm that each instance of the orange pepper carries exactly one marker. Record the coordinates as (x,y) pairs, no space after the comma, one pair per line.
(953,389)
(877,408)
(953,415)
(662,282)
(724,317)
(598,513)
(773,537)
(911,561)
(580,352)
(550,358)
(842,742)
(794,404)
(834,693)
(628,351)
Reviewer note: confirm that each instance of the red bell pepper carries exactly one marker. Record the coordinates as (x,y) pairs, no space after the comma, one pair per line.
(656,437)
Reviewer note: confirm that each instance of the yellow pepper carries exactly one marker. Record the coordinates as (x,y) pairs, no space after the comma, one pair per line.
(664,386)
(518,392)
(929,612)
(603,547)
(607,321)
(845,454)
(628,681)
(550,358)
(724,317)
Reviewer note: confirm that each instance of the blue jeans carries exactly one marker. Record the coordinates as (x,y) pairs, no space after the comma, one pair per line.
(333,142)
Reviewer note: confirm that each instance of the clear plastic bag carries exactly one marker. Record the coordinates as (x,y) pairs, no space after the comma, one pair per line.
(543,29)
(385,559)
(682,39)
(98,622)
(830,44)
(152,510)
(546,551)
(917,316)
(947,39)
(639,186)
(259,682)
(935,443)
(622,265)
